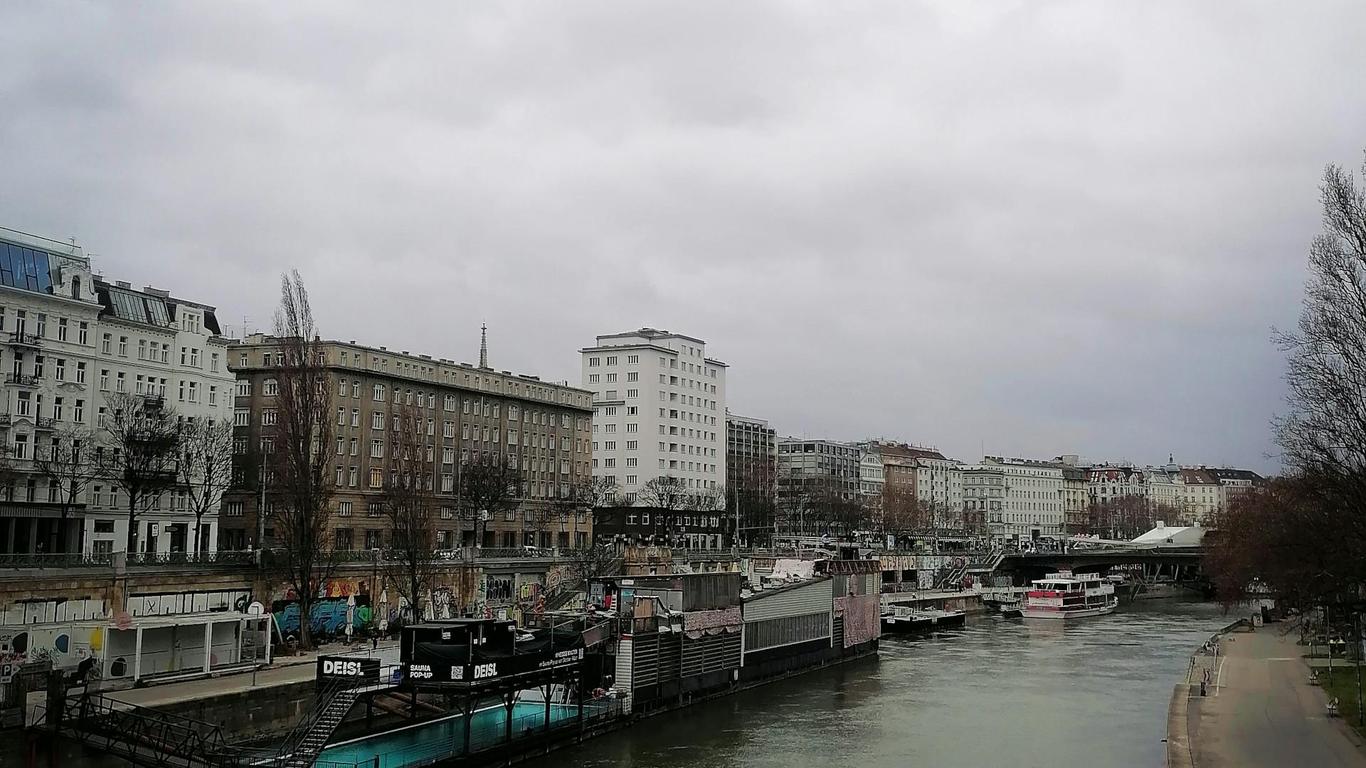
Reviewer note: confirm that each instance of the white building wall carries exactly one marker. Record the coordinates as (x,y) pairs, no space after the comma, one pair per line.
(659,410)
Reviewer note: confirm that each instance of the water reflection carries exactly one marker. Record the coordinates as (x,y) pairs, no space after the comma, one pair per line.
(995,692)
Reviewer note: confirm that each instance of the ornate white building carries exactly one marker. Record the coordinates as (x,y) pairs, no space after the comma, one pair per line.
(70,340)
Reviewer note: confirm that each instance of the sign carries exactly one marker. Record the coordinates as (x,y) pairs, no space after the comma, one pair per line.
(8,670)
(347,668)
(487,671)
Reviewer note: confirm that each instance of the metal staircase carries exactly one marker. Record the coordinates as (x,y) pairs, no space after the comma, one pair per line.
(306,742)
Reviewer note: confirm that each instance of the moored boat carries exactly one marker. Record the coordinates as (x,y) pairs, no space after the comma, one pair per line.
(901,620)
(1063,595)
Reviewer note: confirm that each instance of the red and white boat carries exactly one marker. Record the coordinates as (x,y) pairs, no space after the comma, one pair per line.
(1063,595)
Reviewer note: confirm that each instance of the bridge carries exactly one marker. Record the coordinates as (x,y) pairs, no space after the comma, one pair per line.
(1094,560)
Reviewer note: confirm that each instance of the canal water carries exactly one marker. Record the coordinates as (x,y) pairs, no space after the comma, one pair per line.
(996,692)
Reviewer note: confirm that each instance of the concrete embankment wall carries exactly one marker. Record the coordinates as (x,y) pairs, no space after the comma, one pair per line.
(252,714)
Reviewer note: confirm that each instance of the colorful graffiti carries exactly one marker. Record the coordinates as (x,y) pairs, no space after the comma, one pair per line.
(326,617)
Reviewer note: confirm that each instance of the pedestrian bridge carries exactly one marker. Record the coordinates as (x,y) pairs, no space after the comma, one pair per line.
(1100,559)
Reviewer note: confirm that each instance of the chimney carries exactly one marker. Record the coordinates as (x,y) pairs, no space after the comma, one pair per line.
(123,284)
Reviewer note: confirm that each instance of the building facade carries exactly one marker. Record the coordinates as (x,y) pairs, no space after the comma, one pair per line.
(751,456)
(71,342)
(817,468)
(984,498)
(1033,502)
(468,413)
(659,411)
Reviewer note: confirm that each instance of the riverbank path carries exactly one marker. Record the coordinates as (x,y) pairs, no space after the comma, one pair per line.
(1262,710)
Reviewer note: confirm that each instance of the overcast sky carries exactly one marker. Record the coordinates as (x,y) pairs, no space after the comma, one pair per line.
(1032,228)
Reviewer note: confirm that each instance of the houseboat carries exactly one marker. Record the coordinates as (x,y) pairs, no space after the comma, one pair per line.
(1064,595)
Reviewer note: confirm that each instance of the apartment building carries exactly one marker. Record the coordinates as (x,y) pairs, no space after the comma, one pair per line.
(72,339)
(1033,501)
(825,469)
(751,456)
(467,412)
(984,498)
(659,410)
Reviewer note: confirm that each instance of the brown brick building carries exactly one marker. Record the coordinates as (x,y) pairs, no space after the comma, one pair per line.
(468,412)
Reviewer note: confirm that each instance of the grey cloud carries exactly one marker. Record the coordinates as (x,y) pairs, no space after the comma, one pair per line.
(1031,228)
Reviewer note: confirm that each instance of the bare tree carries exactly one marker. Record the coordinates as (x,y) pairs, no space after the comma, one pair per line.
(490,485)
(205,467)
(299,461)
(69,465)
(751,499)
(140,455)
(409,502)
(668,495)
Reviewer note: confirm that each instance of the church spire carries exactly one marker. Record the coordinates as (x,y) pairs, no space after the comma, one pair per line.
(483,345)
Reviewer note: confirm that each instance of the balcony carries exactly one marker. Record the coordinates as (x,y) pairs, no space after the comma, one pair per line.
(44,423)
(21,380)
(22,339)
(153,402)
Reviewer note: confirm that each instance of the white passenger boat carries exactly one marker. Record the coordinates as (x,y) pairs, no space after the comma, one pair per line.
(1063,595)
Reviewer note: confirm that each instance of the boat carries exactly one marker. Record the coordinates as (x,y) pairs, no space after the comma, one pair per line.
(903,620)
(1010,609)
(1063,595)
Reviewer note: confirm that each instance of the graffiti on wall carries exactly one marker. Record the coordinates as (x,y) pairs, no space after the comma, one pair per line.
(63,646)
(175,603)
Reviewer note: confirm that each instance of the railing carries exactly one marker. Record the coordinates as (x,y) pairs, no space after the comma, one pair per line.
(58,560)
(21,379)
(222,557)
(145,735)
(24,339)
(44,422)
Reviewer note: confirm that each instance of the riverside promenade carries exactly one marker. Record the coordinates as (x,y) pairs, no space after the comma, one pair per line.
(1260,709)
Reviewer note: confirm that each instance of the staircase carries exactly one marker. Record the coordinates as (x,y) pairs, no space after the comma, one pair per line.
(304,745)
(951,576)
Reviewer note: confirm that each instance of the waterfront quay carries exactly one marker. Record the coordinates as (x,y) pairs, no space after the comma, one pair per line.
(1260,707)
(637,644)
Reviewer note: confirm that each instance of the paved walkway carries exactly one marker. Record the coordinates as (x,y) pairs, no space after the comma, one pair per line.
(1262,711)
(284,671)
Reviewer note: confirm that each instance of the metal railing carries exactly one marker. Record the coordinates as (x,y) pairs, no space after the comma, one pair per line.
(221,557)
(57,560)
(145,735)
(22,379)
(25,339)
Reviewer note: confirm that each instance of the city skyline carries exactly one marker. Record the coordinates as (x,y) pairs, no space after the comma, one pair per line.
(1007,229)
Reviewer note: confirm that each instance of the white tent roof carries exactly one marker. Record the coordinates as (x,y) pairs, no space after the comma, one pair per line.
(1180,536)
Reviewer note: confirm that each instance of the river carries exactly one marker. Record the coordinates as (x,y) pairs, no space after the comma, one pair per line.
(996,692)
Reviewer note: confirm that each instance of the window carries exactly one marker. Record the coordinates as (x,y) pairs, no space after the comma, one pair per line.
(213,395)
(270,388)
(213,362)
(61,329)
(80,373)
(60,369)
(123,346)
(233,509)
(377,421)
(633,359)
(378,393)
(21,446)
(376,481)
(241,417)
(268,417)
(78,413)
(376,449)
(83,334)
(344,508)
(56,409)
(104,343)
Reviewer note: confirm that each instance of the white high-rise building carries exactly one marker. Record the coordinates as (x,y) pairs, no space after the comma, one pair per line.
(659,410)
